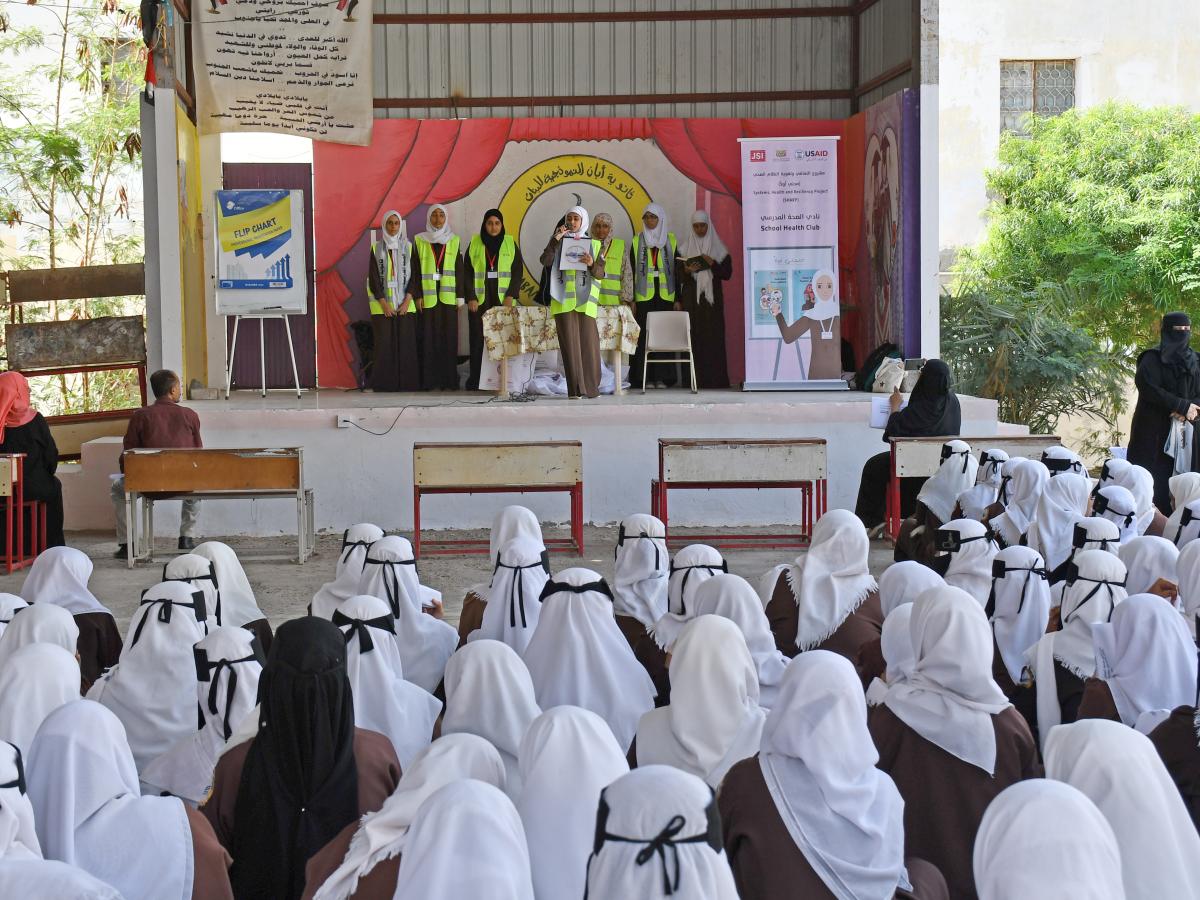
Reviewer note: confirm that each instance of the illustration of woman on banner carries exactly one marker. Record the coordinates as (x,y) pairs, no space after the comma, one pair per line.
(820,319)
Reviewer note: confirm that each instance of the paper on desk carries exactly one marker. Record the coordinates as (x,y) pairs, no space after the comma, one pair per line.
(881,409)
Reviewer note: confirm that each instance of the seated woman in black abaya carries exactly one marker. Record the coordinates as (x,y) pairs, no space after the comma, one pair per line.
(23,430)
(932,411)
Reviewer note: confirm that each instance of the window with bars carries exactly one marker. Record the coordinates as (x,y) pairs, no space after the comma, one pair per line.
(1042,87)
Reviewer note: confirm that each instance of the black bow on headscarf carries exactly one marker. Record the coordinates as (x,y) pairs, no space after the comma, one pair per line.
(491,244)
(362,627)
(19,781)
(555,587)
(1173,345)
(210,670)
(165,608)
(191,582)
(623,536)
(349,545)
(391,581)
(516,592)
(299,784)
(713,570)
(999,571)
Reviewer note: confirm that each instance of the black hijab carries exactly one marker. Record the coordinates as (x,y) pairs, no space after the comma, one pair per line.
(491,244)
(932,407)
(1173,346)
(299,785)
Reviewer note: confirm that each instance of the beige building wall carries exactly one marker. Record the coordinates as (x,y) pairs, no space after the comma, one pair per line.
(1146,52)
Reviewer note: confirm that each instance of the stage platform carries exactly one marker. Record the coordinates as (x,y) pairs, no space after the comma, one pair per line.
(364,472)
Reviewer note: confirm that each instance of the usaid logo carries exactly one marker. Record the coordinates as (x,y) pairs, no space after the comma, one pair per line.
(758,156)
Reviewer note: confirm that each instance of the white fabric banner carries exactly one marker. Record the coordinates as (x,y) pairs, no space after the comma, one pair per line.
(289,66)
(790,237)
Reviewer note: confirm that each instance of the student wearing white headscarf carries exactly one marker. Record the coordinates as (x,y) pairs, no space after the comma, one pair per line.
(356,541)
(1061,660)
(435,285)
(1059,459)
(90,813)
(975,501)
(652,256)
(956,474)
(735,598)
(383,700)
(1117,505)
(198,573)
(567,758)
(514,596)
(59,576)
(1187,567)
(1189,524)
(228,665)
(1184,489)
(578,656)
(692,566)
(425,642)
(812,816)
(10,605)
(1021,489)
(39,624)
(902,582)
(1119,771)
(35,877)
(395,365)
(1139,482)
(34,681)
(1152,566)
(1089,533)
(489,693)
(948,736)
(238,606)
(1044,840)
(1019,606)
(616,287)
(641,569)
(1061,506)
(704,262)
(896,653)
(827,598)
(510,523)
(575,295)
(658,807)
(363,860)
(18,835)
(970,549)
(152,688)
(714,719)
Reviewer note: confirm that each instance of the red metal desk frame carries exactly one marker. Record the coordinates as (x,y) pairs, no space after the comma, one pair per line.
(15,506)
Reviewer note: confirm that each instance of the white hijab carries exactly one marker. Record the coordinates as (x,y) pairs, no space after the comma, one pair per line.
(1120,508)
(20,877)
(1024,480)
(955,474)
(823,310)
(818,760)
(1059,459)
(511,523)
(1184,489)
(568,757)
(1061,506)
(1044,840)
(895,642)
(640,809)
(60,576)
(465,815)
(657,236)
(356,540)
(830,581)
(10,605)
(1188,569)
(974,501)
(641,570)
(441,235)
(152,688)
(709,245)
(90,813)
(425,643)
(970,566)
(400,238)
(1020,604)
(714,719)
(692,566)
(383,700)
(489,693)
(1146,656)
(901,582)
(950,697)
(398,248)
(238,606)
(200,574)
(557,276)
(734,598)
(228,667)
(514,596)
(36,680)
(579,657)
(1120,771)
(1139,482)
(18,835)
(1148,559)
(382,834)
(41,624)
(1189,525)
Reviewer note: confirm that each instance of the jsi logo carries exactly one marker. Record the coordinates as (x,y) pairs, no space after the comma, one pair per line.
(758,156)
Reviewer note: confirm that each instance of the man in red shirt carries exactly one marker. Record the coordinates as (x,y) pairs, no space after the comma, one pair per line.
(164,423)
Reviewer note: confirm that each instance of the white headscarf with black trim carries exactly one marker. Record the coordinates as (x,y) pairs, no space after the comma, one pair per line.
(1061,506)
(970,566)
(1147,559)
(356,540)
(955,475)
(514,596)
(1020,605)
(1118,505)
(641,569)
(692,566)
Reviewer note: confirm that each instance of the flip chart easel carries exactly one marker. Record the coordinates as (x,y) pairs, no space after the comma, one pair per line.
(262,349)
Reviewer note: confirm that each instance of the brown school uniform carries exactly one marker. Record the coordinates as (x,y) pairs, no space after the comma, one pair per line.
(378,884)
(920,546)
(378,775)
(1097,701)
(1179,748)
(396,365)
(471,617)
(210,862)
(438,343)
(1070,692)
(654,660)
(767,864)
(863,625)
(1157,525)
(99,645)
(631,628)
(944,797)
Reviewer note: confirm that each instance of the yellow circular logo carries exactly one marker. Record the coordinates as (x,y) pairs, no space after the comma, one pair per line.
(541,194)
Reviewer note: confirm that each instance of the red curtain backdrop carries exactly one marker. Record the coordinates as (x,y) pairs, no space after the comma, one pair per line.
(410,163)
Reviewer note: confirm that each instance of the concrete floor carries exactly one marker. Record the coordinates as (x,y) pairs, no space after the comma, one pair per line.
(283,588)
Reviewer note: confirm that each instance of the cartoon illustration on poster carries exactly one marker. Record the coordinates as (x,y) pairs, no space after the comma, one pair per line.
(796,303)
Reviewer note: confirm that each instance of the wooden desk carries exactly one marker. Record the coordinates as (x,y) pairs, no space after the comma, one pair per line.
(541,467)
(920,457)
(212,474)
(737,463)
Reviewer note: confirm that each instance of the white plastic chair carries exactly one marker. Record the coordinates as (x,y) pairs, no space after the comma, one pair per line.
(669,339)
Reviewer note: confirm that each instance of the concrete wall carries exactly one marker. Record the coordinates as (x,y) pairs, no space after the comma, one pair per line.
(1146,53)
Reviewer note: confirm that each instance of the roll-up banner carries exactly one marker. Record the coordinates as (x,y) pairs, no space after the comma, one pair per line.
(790,255)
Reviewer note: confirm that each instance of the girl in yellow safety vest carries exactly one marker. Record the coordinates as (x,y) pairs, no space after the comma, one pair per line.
(574,292)
(652,258)
(436,286)
(491,275)
(395,366)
